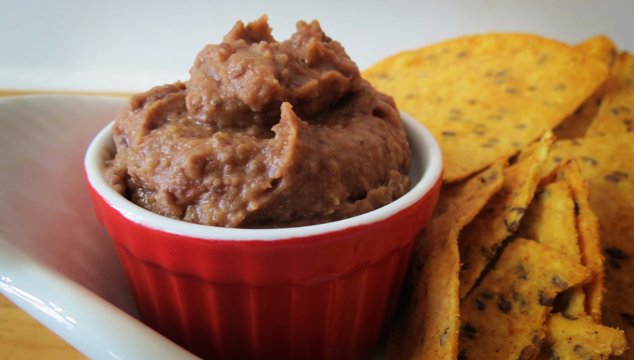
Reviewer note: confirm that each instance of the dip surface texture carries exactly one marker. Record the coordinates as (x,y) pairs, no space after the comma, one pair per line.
(264,134)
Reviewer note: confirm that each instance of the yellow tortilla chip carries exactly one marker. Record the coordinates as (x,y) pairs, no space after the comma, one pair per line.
(503,318)
(589,241)
(430,327)
(576,125)
(603,49)
(550,220)
(608,165)
(488,96)
(501,217)
(616,114)
(576,302)
(580,338)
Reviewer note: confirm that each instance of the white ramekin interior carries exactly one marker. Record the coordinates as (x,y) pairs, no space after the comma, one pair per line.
(426,168)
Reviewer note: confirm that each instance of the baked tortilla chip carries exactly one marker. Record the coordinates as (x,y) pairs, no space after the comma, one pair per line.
(616,114)
(503,318)
(608,166)
(603,49)
(576,125)
(430,328)
(589,241)
(488,96)
(501,217)
(580,338)
(550,220)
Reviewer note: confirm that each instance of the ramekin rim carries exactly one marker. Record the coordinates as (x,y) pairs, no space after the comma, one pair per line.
(431,161)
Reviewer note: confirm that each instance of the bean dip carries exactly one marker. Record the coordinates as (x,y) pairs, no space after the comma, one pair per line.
(263,134)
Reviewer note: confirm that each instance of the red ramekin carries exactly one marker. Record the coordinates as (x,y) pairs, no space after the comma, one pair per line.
(314,292)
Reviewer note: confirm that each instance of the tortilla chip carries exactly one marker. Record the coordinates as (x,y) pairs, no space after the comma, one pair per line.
(550,220)
(503,318)
(430,328)
(589,241)
(488,96)
(580,338)
(616,114)
(575,304)
(608,166)
(603,49)
(576,125)
(501,217)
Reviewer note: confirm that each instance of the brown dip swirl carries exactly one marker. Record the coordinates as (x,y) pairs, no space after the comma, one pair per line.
(264,134)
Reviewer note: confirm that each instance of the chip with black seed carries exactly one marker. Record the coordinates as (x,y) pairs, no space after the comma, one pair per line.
(521,304)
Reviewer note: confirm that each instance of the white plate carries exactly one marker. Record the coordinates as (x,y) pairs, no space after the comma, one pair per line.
(56,261)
